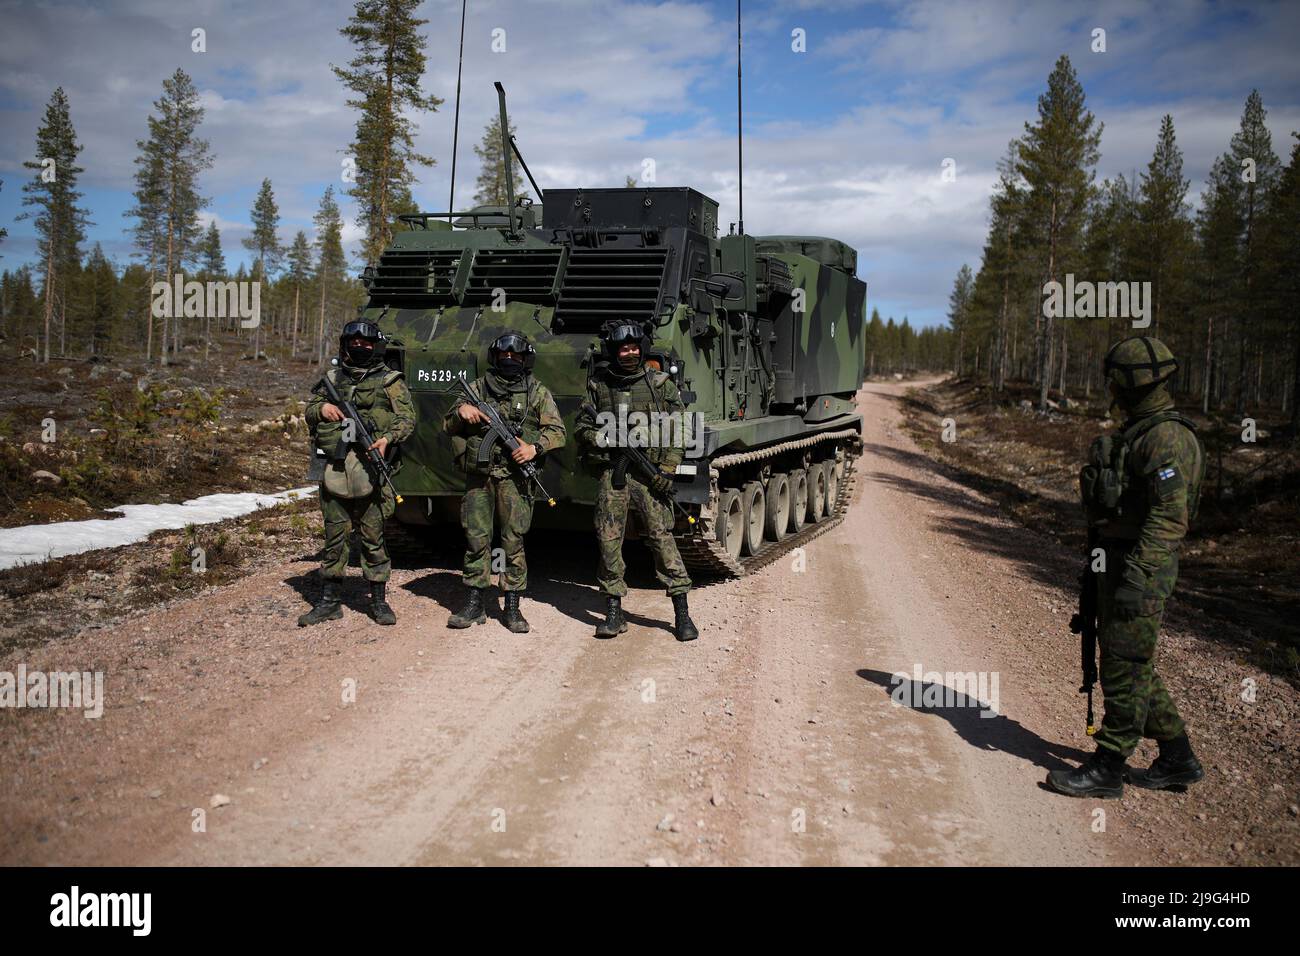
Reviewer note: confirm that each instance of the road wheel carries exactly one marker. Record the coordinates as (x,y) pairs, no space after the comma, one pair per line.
(816,493)
(798,499)
(832,487)
(755,518)
(778,506)
(731,521)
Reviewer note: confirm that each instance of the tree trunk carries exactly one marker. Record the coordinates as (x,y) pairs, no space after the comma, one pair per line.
(49,297)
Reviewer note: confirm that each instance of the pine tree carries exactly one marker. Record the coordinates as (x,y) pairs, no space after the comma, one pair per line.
(212,261)
(299,271)
(1056,160)
(330,261)
(60,223)
(385,75)
(167,197)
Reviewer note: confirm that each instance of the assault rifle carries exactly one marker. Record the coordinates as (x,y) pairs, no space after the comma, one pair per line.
(361,436)
(500,430)
(627,455)
(1084,623)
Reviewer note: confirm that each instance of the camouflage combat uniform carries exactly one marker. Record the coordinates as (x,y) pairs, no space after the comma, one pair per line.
(350,496)
(1164,468)
(647,391)
(499,493)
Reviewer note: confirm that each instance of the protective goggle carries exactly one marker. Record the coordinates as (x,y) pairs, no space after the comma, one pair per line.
(367,330)
(625,333)
(511,342)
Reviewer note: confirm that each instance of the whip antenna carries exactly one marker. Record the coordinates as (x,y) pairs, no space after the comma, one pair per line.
(740,136)
(455,135)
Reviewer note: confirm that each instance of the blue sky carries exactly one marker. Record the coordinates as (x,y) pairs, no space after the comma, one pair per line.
(845,139)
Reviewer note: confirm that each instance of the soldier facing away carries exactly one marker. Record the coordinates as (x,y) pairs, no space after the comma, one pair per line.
(1140,490)
(497,493)
(622,384)
(351,494)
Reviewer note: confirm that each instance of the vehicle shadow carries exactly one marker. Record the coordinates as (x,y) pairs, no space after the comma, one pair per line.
(997,733)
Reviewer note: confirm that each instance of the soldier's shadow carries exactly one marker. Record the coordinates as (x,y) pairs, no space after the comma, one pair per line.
(559,576)
(353,595)
(985,733)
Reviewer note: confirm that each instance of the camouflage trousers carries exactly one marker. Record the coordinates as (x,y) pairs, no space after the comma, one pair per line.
(1137,704)
(657,522)
(367,516)
(501,502)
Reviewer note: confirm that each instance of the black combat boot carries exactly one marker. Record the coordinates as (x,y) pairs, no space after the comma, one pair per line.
(684,626)
(1176,766)
(327,608)
(614,622)
(379,609)
(472,612)
(513,619)
(1101,775)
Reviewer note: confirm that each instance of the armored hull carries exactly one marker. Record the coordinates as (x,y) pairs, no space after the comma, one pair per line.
(763,336)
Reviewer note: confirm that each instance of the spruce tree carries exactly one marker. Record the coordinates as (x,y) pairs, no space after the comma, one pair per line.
(330,261)
(1163,213)
(959,311)
(299,271)
(100,289)
(212,260)
(385,77)
(60,223)
(491,182)
(1254,162)
(264,242)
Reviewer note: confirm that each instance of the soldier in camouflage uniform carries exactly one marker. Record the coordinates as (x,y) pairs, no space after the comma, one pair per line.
(498,492)
(351,495)
(1140,489)
(622,384)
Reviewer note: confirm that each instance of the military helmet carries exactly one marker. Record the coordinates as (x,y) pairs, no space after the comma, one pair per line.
(1139,361)
(618,332)
(512,341)
(368,331)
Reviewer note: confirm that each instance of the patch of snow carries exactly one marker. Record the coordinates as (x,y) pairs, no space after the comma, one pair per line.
(40,542)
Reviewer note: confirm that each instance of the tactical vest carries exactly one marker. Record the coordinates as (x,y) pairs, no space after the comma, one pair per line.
(345,475)
(1116,505)
(638,395)
(520,409)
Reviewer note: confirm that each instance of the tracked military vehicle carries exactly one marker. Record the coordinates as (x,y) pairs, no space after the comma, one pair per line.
(762,334)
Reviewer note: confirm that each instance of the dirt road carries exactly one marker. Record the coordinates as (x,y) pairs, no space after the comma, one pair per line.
(773,739)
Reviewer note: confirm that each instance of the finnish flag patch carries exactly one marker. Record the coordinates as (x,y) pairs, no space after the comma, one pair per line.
(1164,474)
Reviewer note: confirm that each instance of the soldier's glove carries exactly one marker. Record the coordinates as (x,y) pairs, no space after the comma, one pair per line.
(1128,601)
(662,483)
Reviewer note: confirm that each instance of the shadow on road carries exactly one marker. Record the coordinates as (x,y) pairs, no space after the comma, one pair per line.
(561,574)
(998,733)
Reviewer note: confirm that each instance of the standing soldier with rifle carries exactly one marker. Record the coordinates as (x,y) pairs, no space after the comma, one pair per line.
(501,483)
(359,412)
(621,384)
(1140,489)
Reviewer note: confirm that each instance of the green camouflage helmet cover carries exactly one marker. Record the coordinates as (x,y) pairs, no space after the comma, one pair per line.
(1138,362)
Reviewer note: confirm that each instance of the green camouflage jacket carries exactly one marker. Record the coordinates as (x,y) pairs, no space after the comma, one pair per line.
(648,393)
(531,407)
